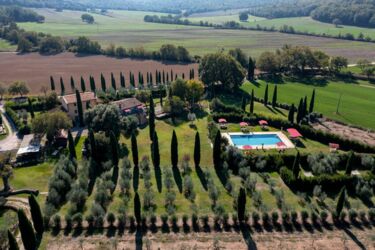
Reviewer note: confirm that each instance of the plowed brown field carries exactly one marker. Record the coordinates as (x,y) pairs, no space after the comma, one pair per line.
(36,69)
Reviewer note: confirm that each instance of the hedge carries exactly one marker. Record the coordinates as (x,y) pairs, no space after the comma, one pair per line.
(23,129)
(328,182)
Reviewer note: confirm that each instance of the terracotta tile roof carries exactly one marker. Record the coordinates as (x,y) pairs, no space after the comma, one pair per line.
(85,96)
(127,103)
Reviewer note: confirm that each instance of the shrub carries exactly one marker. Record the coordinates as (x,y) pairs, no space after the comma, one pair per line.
(304,216)
(343,216)
(56,221)
(185,219)
(164,219)
(90,220)
(265,219)
(77,220)
(111,218)
(362,216)
(121,218)
(256,218)
(194,219)
(323,216)
(275,217)
(353,215)
(371,214)
(68,221)
(294,216)
(285,217)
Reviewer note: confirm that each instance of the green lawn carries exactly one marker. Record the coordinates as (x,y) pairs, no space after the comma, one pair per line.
(302,24)
(356,101)
(128,29)
(6,46)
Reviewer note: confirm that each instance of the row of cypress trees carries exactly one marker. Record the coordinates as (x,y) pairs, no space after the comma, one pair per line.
(30,234)
(160,77)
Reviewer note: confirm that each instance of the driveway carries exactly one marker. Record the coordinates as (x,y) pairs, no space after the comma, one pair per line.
(12,141)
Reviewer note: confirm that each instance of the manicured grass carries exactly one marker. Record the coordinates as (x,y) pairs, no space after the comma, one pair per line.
(128,29)
(6,46)
(302,24)
(356,101)
(35,177)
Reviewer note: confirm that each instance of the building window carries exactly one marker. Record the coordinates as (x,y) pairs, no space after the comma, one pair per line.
(75,111)
(75,104)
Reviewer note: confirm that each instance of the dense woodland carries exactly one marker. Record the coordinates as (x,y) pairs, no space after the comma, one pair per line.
(18,14)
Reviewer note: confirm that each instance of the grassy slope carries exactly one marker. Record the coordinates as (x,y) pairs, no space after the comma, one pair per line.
(299,23)
(356,104)
(128,29)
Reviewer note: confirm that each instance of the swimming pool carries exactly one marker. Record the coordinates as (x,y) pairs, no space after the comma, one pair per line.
(255,140)
(266,140)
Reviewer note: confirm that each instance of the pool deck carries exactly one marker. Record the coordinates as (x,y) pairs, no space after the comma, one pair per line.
(281,135)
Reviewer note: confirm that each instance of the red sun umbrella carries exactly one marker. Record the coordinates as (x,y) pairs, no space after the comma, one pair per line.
(294,133)
(243,124)
(140,107)
(222,120)
(281,144)
(127,111)
(247,147)
(263,122)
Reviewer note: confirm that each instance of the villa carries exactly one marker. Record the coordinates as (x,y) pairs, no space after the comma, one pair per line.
(69,103)
(132,107)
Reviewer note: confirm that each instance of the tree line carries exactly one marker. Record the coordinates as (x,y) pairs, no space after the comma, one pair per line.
(288,29)
(10,14)
(349,12)
(28,41)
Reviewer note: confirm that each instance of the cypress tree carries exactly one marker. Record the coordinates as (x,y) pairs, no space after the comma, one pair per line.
(192,73)
(161,96)
(114,148)
(241,205)
(52,83)
(83,85)
(72,150)
(296,163)
(36,215)
(62,87)
(134,150)
(27,231)
(312,102)
(163,76)
(151,119)
(183,75)
(122,80)
(102,81)
(171,74)
(304,110)
(155,151)
(217,150)
(274,97)
(72,84)
(197,150)
(167,77)
(174,150)
(266,96)
(137,208)
(243,104)
(340,201)
(250,69)
(113,81)
(92,144)
(151,79)
(31,109)
(299,111)
(12,242)
(80,109)
(252,102)
(92,84)
(348,169)
(291,114)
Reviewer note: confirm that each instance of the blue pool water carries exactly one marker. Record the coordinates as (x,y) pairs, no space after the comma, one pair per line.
(255,139)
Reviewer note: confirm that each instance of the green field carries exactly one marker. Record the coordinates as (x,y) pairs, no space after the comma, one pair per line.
(6,47)
(128,29)
(302,24)
(356,102)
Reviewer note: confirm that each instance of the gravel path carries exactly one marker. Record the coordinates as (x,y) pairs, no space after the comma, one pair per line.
(12,141)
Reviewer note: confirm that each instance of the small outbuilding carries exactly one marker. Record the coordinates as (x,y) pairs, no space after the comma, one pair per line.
(132,107)
(30,149)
